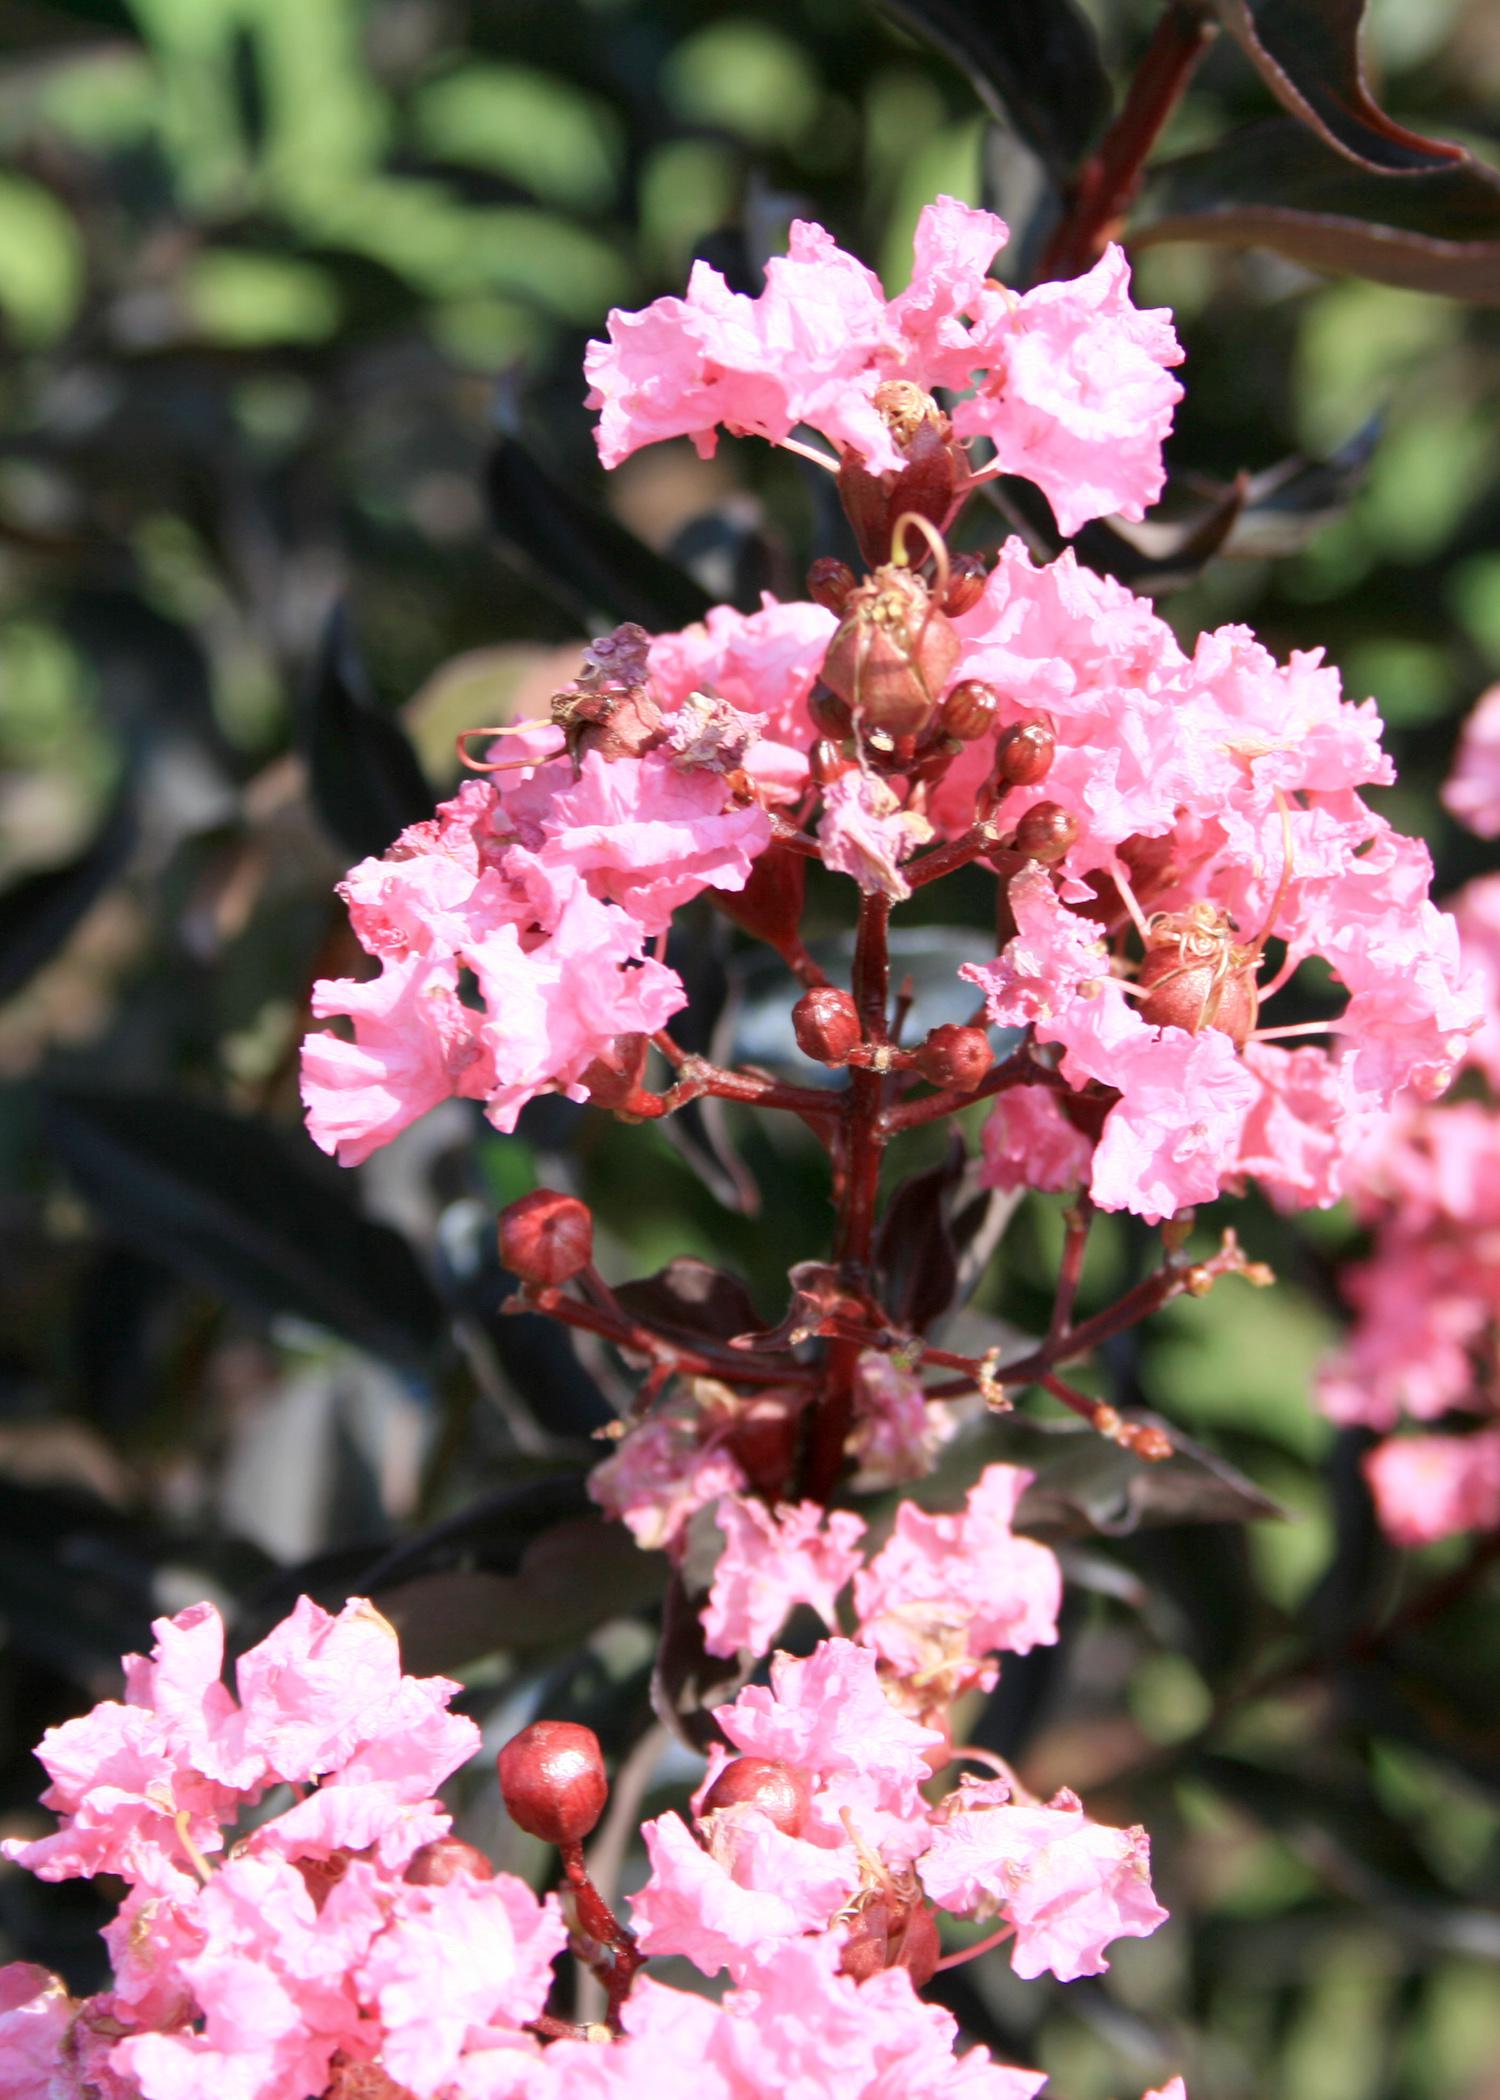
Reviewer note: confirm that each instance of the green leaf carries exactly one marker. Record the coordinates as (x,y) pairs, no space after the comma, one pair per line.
(1308,53)
(228,1201)
(1035,63)
(1273,185)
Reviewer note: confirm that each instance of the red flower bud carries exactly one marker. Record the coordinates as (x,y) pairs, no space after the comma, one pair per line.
(1046,832)
(967,577)
(546,1238)
(829,713)
(826,1023)
(447,1859)
(614,1076)
(552,1780)
(829,582)
(969,710)
(779,1791)
(827,763)
(892,653)
(1024,753)
(956,1057)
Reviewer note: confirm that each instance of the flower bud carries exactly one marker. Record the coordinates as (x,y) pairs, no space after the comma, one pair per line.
(826,1024)
(1024,753)
(546,1238)
(933,470)
(826,763)
(552,1780)
(967,576)
(613,1076)
(780,1792)
(892,652)
(829,582)
(969,710)
(887,1934)
(956,1057)
(830,715)
(447,1859)
(1046,832)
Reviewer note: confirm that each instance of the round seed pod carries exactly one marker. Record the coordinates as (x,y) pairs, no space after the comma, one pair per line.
(552,1780)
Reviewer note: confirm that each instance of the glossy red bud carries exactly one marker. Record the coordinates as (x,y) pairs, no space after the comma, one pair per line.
(826,1024)
(1024,753)
(969,710)
(829,582)
(447,1859)
(780,1792)
(956,1057)
(546,1238)
(1046,832)
(552,1780)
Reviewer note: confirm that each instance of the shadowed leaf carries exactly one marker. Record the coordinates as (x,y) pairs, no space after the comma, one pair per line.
(366,780)
(1308,53)
(39,913)
(1273,185)
(225,1200)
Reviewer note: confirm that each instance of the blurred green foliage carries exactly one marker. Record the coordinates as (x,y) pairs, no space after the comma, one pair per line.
(271,273)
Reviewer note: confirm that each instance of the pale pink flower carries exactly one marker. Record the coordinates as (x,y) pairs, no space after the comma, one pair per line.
(1067,1885)
(1476,912)
(1472,789)
(826,1715)
(764,663)
(897,1431)
(660,1473)
(1053,958)
(798,1553)
(453,1963)
(1077,396)
(1307,1124)
(1030,1144)
(36,2015)
(694,1905)
(865,832)
(946,1593)
(1174,2089)
(1428,1487)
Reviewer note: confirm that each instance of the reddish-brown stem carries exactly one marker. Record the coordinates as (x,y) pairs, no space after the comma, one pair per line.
(995,1939)
(1076,1221)
(731,1367)
(599,1923)
(1108,182)
(696,1076)
(942,860)
(1020,1070)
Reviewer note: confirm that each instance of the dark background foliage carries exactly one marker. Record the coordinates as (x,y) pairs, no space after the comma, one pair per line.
(296,481)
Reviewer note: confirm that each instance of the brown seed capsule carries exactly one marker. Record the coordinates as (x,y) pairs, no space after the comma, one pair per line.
(886,1933)
(1046,832)
(546,1238)
(1196,975)
(447,1859)
(1024,753)
(969,710)
(829,582)
(780,1792)
(956,1057)
(826,1024)
(892,653)
(967,576)
(552,1780)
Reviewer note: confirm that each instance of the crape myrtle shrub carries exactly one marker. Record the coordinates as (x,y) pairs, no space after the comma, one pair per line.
(262,268)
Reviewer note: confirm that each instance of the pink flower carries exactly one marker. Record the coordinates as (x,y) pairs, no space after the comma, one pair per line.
(1428,1487)
(897,1431)
(36,2014)
(1301,1133)
(1077,398)
(864,832)
(1068,1886)
(1030,1144)
(661,1472)
(1472,790)
(826,1715)
(764,663)
(1072,387)
(946,1592)
(1053,958)
(797,1554)
(695,1906)
(489,1945)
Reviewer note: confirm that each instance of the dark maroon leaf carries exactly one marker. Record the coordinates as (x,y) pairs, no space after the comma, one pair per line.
(1274,185)
(366,779)
(692,1300)
(1308,53)
(915,1258)
(38,914)
(1084,1483)
(1033,62)
(821,1303)
(687,1680)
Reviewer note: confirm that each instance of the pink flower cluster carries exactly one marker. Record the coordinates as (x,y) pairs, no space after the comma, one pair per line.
(345,1947)
(1426,1300)
(1068,382)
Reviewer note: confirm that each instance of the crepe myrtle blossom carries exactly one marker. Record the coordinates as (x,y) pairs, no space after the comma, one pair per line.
(1067,382)
(1472,790)
(283,1970)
